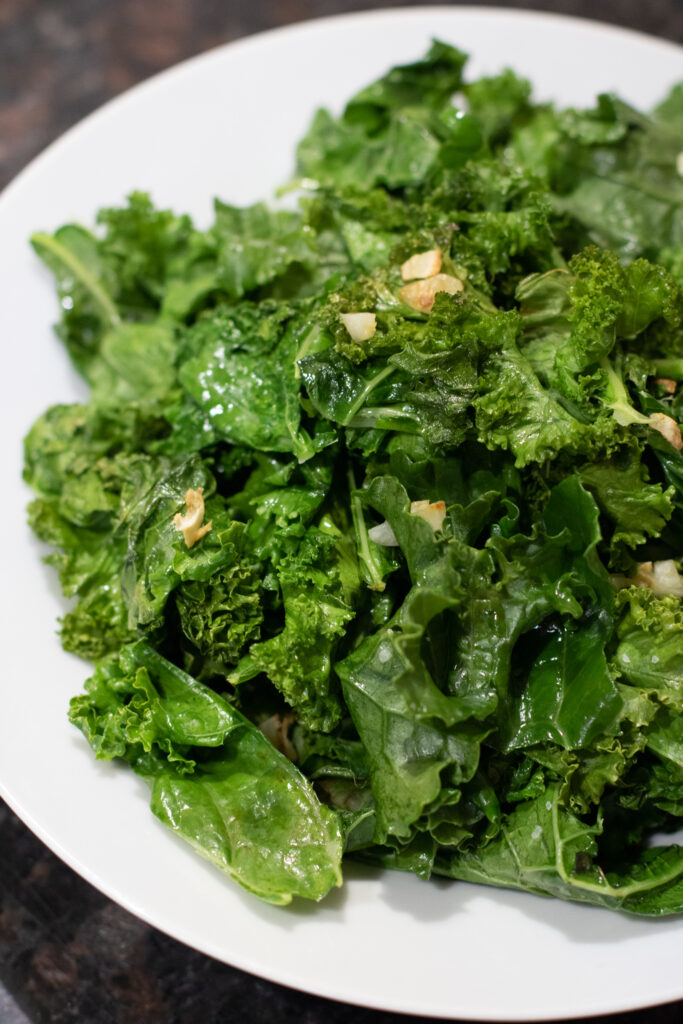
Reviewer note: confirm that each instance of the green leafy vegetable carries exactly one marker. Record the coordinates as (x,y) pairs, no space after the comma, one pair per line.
(346,579)
(215,779)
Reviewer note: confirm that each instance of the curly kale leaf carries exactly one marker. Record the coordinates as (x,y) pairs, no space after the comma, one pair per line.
(637,508)
(222,615)
(215,778)
(317,596)
(544,848)
(387,133)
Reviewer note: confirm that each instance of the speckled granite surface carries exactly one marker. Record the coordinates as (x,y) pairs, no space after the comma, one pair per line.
(68,955)
(60,59)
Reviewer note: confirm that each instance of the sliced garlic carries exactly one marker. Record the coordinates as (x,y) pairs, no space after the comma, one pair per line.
(421,294)
(668,428)
(191,522)
(662,578)
(422,264)
(342,795)
(666,383)
(679,163)
(666,579)
(360,326)
(383,535)
(433,513)
(276,731)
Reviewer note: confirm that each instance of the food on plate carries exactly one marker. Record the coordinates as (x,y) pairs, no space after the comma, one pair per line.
(374,517)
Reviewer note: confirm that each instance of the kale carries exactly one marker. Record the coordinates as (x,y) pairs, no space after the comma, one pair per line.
(379,562)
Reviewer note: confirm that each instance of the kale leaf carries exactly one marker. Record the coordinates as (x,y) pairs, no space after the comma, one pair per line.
(338,524)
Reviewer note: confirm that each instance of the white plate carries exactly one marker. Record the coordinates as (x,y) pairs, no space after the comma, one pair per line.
(225,124)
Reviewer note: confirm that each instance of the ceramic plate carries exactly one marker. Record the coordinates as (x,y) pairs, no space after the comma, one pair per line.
(225,124)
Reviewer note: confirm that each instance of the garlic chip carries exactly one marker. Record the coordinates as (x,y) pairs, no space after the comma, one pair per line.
(662,578)
(668,428)
(421,294)
(360,326)
(433,512)
(383,535)
(666,383)
(421,265)
(276,730)
(191,522)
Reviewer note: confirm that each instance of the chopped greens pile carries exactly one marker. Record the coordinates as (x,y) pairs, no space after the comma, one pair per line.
(373,517)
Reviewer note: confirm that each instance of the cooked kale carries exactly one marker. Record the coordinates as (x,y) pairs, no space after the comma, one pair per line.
(379,556)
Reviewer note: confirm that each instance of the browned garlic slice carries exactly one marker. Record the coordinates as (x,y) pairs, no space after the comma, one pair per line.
(276,730)
(421,294)
(433,512)
(422,264)
(666,383)
(191,522)
(661,577)
(343,795)
(360,326)
(668,428)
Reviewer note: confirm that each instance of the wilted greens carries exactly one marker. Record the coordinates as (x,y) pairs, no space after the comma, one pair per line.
(381,567)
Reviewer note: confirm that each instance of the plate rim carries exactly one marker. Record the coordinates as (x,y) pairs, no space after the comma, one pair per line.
(24,179)
(257,39)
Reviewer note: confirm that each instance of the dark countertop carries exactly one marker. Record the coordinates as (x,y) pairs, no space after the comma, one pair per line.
(60,59)
(68,955)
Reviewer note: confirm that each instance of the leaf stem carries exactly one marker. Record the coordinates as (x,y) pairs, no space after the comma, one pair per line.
(362,538)
(370,386)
